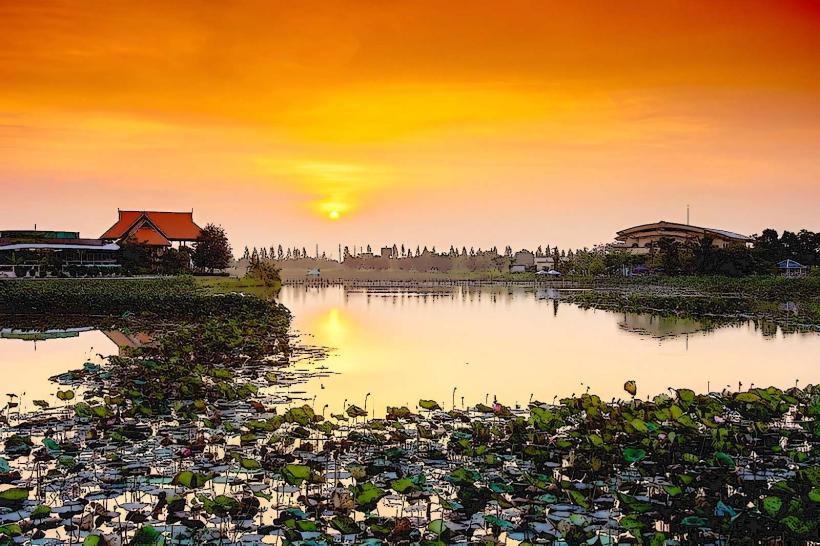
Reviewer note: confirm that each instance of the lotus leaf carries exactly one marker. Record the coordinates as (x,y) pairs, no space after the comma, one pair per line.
(345,525)
(190,479)
(65,395)
(634,454)
(367,495)
(295,474)
(14,494)
(772,505)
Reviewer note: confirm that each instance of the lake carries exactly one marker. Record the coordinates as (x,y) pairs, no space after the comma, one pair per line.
(485,343)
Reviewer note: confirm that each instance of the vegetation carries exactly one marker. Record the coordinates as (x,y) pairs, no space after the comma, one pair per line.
(169,297)
(206,458)
(266,272)
(793,301)
(212,250)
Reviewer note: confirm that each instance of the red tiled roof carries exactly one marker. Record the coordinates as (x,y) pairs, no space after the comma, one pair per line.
(175,226)
(146,235)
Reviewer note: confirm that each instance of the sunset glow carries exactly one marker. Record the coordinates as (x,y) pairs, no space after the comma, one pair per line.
(419,122)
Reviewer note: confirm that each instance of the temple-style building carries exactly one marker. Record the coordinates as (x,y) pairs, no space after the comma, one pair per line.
(154,228)
(642,239)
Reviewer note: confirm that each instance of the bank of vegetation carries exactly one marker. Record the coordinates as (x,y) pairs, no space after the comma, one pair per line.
(788,301)
(181,297)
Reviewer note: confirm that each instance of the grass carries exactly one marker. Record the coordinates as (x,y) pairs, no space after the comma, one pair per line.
(245,285)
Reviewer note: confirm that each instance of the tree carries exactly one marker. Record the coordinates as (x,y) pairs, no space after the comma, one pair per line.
(267,272)
(703,253)
(212,249)
(175,262)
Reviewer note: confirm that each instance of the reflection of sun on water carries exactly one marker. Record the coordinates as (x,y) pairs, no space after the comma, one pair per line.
(331,329)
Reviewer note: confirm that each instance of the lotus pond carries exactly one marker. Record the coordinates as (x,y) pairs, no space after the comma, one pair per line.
(225,430)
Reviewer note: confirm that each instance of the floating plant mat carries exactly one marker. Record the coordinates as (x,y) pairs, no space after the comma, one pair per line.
(203,438)
(174,451)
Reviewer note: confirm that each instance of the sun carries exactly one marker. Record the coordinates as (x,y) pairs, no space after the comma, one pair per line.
(334,215)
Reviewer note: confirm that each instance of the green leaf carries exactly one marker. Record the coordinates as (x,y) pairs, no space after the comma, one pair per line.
(634,454)
(191,480)
(672,490)
(14,494)
(772,505)
(725,459)
(67,394)
(10,530)
(40,512)
(367,495)
(51,445)
(693,521)
(436,526)
(639,425)
(687,396)
(295,474)
(748,397)
(404,486)
(578,498)
(148,536)
(250,464)
(630,523)
(345,525)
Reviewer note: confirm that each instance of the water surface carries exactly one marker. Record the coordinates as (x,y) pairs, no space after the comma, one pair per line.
(488,343)
(510,344)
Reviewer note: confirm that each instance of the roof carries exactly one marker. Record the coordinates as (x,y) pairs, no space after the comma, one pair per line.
(56,244)
(662,224)
(147,235)
(174,226)
(38,234)
(789,264)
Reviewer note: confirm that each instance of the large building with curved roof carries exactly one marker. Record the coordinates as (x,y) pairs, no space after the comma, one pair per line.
(642,239)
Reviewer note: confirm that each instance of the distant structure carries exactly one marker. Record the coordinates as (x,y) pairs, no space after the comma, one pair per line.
(642,239)
(154,228)
(791,268)
(26,252)
(523,261)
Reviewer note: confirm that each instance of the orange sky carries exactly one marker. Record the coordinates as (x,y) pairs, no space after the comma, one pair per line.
(475,123)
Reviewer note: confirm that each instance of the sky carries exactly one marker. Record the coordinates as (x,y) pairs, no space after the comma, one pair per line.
(419,122)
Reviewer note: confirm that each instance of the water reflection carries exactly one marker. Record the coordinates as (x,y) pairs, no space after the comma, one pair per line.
(463,346)
(662,327)
(510,343)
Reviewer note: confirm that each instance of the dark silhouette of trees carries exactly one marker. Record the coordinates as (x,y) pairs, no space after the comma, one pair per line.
(212,250)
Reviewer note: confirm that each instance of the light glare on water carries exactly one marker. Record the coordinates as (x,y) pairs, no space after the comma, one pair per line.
(508,344)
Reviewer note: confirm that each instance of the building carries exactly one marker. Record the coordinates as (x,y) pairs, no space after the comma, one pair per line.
(642,239)
(154,228)
(41,253)
(791,268)
(544,263)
